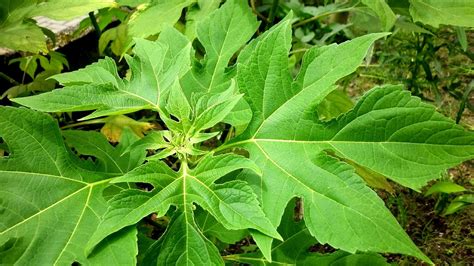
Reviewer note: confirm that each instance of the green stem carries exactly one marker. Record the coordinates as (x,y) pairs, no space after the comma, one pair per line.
(184,165)
(94,23)
(8,78)
(254,9)
(464,99)
(302,50)
(229,134)
(90,122)
(271,17)
(306,21)
(372,76)
(27,65)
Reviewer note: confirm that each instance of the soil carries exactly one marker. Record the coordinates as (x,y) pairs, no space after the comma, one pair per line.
(446,240)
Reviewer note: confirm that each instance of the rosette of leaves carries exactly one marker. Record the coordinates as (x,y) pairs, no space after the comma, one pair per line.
(211,194)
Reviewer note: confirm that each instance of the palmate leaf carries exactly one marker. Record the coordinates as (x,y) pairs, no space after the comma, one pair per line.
(111,160)
(388,131)
(233,204)
(154,67)
(222,34)
(196,13)
(295,249)
(50,205)
(156,15)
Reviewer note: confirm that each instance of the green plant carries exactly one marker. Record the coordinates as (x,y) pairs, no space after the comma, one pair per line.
(446,204)
(146,19)
(417,52)
(39,80)
(18,29)
(429,12)
(60,208)
(429,64)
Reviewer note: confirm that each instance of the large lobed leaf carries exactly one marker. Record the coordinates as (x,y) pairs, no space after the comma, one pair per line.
(111,160)
(154,16)
(233,204)
(388,131)
(222,34)
(295,249)
(50,203)
(154,68)
(196,13)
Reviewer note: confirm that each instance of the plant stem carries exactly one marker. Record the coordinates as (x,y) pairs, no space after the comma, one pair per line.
(94,23)
(464,99)
(306,21)
(27,65)
(302,50)
(272,14)
(254,9)
(90,122)
(372,76)
(8,78)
